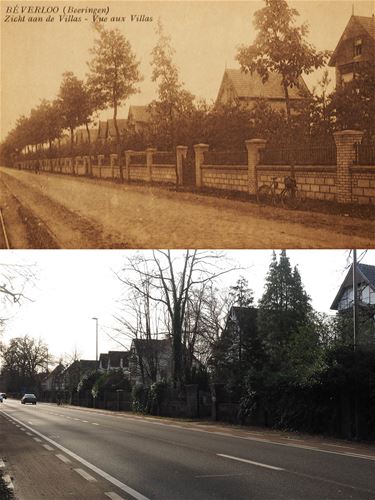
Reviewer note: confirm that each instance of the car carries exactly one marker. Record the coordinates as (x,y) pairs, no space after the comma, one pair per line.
(28,398)
(3,394)
(1,398)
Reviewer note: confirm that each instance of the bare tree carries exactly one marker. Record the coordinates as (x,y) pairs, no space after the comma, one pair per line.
(15,279)
(173,278)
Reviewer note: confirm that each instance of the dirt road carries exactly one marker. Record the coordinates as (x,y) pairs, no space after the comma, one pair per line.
(85,213)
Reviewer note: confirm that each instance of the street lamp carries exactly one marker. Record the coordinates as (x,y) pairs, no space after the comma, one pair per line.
(96,344)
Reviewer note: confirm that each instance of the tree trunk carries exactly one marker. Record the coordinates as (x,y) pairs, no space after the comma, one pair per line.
(71,139)
(289,126)
(89,149)
(118,142)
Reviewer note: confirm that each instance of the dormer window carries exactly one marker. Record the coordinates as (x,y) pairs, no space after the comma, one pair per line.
(357,47)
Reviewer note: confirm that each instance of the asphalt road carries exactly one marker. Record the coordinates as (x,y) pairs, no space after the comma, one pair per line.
(68,212)
(147,458)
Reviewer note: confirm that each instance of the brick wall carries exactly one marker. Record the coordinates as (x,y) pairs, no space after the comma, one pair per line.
(317,183)
(164,173)
(363,185)
(138,173)
(226,177)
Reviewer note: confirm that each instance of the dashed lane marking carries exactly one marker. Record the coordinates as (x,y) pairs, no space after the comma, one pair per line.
(29,433)
(37,440)
(122,486)
(94,423)
(266,466)
(86,475)
(48,447)
(63,458)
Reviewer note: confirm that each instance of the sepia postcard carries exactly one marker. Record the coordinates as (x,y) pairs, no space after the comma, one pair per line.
(179,125)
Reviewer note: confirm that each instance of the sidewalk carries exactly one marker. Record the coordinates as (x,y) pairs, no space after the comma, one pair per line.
(38,471)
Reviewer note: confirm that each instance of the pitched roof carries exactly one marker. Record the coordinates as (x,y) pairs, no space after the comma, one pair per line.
(121,124)
(139,114)
(367,23)
(250,85)
(103,359)
(365,274)
(155,345)
(116,356)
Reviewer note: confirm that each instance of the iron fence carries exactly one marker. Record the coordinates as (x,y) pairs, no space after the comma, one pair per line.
(307,155)
(364,154)
(164,158)
(225,158)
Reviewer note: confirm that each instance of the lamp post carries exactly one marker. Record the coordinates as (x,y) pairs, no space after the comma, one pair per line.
(96,343)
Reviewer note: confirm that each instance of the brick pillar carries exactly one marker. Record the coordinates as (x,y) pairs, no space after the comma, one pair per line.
(128,154)
(149,154)
(181,153)
(253,147)
(113,159)
(199,150)
(345,141)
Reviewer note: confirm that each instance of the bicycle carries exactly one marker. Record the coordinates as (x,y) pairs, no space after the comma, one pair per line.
(289,196)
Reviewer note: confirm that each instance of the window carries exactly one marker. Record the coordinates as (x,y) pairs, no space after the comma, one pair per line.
(357,47)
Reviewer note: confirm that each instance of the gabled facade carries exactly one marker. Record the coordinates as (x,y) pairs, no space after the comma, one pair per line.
(54,380)
(355,49)
(246,88)
(151,360)
(138,118)
(74,372)
(114,360)
(365,287)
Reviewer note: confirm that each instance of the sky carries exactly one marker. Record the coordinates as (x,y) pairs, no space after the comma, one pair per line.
(205,36)
(74,286)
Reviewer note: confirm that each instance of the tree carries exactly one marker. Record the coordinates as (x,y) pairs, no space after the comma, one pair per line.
(22,359)
(15,280)
(283,309)
(172,280)
(352,106)
(281,47)
(74,104)
(174,104)
(113,75)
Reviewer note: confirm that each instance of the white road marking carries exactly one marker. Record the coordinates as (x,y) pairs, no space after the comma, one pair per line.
(86,421)
(122,486)
(22,429)
(31,423)
(113,496)
(2,464)
(37,440)
(94,423)
(250,462)
(29,433)
(63,458)
(86,475)
(48,447)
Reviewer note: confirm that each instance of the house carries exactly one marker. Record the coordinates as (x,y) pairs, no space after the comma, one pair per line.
(138,118)
(150,360)
(246,88)
(114,360)
(355,49)
(366,288)
(343,303)
(81,136)
(122,125)
(54,380)
(74,372)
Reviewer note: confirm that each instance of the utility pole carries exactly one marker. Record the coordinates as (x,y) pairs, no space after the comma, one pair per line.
(355,300)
